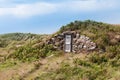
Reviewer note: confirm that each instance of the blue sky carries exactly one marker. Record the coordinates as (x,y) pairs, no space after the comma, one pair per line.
(47,16)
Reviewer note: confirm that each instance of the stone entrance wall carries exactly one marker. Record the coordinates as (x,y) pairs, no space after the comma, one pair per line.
(79,42)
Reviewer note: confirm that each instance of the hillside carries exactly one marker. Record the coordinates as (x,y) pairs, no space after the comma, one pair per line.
(30,57)
(6,39)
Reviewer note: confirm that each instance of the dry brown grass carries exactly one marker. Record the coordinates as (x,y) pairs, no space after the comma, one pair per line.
(53,63)
(16,71)
(28,71)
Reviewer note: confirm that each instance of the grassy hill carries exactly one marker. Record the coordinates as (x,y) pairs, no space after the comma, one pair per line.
(6,39)
(27,57)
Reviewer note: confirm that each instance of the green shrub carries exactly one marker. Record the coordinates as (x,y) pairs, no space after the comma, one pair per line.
(84,63)
(98,58)
(29,53)
(113,51)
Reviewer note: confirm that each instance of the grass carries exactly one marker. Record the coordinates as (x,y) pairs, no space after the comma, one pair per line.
(26,56)
(9,64)
(92,67)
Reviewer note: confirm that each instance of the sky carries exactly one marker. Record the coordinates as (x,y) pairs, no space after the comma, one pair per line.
(47,16)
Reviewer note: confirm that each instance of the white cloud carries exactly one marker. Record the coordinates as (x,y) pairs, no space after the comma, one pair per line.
(27,10)
(89,5)
(42,8)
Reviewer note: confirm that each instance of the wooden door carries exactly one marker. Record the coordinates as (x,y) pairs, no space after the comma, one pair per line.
(68,43)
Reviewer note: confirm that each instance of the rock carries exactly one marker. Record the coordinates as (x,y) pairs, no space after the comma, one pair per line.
(60,37)
(84,46)
(55,47)
(117,36)
(53,39)
(79,42)
(80,46)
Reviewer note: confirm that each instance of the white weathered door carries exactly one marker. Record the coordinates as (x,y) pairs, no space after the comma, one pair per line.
(68,43)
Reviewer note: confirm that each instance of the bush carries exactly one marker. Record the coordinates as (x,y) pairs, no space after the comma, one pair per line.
(98,58)
(113,51)
(82,63)
(29,53)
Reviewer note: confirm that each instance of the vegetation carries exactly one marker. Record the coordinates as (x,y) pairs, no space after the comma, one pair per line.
(94,67)
(101,33)
(29,53)
(102,64)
